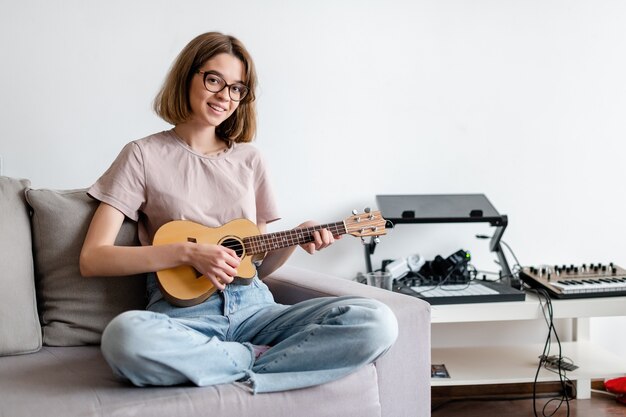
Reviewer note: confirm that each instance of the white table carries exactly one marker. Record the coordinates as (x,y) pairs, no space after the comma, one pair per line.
(517,363)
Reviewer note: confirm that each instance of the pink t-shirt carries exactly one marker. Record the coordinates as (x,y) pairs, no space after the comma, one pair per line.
(160,178)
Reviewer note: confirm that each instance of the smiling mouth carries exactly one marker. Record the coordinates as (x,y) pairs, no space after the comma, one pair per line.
(217,108)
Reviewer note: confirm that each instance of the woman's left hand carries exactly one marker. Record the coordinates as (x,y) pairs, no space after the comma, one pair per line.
(321,238)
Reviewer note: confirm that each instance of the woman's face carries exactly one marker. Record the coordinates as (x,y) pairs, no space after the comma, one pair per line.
(209,108)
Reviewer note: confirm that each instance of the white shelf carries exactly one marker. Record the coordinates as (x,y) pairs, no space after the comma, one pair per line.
(518,364)
(461,313)
(530,309)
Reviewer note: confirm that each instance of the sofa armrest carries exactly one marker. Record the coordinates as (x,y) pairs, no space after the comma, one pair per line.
(404,371)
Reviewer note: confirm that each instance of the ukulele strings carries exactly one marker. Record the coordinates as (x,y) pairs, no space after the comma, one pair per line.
(293,237)
(270,241)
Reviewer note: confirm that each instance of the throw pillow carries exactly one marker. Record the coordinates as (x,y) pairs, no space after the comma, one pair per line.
(19,325)
(73,309)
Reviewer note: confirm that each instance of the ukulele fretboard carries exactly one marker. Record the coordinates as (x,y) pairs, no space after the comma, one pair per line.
(278,240)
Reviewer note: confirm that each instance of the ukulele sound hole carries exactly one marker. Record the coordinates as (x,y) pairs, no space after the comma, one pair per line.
(235,245)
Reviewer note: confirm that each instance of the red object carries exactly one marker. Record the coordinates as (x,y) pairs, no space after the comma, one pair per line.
(617,386)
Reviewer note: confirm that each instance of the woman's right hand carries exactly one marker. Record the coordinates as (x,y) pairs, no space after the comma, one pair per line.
(216,262)
(101,257)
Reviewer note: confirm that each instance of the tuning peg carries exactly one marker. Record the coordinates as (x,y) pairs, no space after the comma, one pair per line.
(367,209)
(354,211)
(377,240)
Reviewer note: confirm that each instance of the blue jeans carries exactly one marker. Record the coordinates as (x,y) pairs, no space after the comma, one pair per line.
(313,342)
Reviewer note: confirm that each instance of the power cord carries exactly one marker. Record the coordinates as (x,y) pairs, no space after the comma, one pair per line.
(555,363)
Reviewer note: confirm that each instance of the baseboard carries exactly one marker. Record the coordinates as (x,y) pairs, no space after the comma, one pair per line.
(500,391)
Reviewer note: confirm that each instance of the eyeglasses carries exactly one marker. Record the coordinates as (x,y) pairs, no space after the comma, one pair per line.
(214,83)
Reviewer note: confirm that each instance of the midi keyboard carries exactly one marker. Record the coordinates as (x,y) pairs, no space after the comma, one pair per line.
(586,280)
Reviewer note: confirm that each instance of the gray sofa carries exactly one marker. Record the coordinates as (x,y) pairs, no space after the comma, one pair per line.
(51,320)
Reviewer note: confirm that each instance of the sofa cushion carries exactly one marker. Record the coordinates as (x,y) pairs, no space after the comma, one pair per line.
(19,325)
(76,381)
(74,310)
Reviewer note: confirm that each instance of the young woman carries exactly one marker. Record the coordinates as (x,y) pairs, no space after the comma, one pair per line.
(204,170)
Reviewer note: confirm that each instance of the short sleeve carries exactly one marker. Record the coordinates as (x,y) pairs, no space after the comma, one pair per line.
(123,185)
(266,208)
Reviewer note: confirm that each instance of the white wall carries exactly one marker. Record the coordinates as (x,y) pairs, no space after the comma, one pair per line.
(523,100)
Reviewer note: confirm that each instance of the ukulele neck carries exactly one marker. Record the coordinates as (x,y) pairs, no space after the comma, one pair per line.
(272,241)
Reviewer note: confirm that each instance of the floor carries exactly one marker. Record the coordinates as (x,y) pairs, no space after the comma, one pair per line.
(599,405)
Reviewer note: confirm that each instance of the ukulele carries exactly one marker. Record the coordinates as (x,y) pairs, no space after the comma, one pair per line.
(184,286)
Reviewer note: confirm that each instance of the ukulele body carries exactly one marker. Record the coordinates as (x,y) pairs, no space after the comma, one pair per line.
(184,286)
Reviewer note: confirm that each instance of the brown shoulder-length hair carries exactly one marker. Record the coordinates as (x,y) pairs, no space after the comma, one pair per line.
(172,102)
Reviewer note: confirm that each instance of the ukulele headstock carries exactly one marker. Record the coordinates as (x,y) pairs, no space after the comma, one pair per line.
(368,223)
